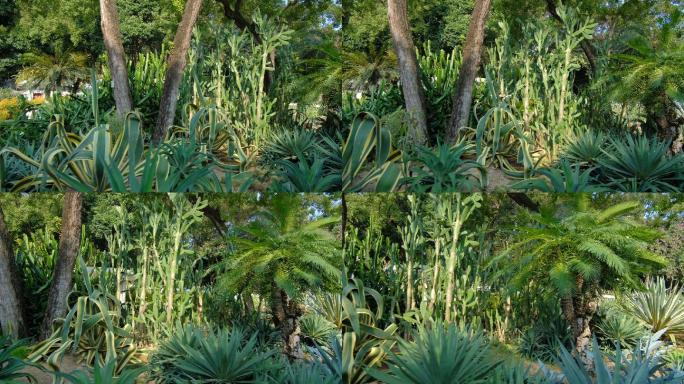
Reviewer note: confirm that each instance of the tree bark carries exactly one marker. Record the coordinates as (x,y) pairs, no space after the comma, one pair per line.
(286,314)
(414,97)
(69,244)
(116,56)
(174,71)
(472,55)
(12,321)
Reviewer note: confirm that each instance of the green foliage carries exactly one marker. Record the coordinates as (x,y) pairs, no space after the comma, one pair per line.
(565,179)
(316,329)
(622,329)
(12,355)
(91,330)
(659,307)
(102,374)
(445,170)
(640,164)
(224,356)
(642,367)
(361,172)
(586,149)
(442,354)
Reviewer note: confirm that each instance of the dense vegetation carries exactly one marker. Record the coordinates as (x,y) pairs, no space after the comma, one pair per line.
(177,288)
(325,95)
(505,289)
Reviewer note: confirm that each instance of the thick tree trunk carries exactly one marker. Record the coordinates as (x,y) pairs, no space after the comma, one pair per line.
(69,244)
(116,56)
(408,68)
(175,66)
(12,320)
(472,55)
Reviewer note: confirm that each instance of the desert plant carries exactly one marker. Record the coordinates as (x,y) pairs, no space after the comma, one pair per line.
(659,307)
(640,164)
(642,367)
(622,329)
(102,374)
(441,354)
(316,329)
(12,355)
(194,354)
(564,178)
(586,149)
(445,170)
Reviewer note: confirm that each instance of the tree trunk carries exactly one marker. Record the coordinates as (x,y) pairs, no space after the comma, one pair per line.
(174,71)
(116,56)
(472,55)
(408,68)
(286,314)
(12,320)
(69,244)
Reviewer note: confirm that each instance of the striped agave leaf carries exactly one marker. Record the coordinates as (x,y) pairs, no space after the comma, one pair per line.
(358,174)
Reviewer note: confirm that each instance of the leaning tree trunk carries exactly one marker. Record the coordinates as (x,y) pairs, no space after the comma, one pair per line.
(175,67)
(69,244)
(116,56)
(408,68)
(286,315)
(12,320)
(472,55)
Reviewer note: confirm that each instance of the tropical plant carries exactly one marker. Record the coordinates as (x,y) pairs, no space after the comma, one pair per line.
(659,307)
(674,359)
(12,355)
(193,354)
(441,354)
(54,72)
(586,149)
(282,253)
(305,177)
(640,164)
(578,254)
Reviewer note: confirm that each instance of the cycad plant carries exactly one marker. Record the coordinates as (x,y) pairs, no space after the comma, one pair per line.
(577,252)
(282,253)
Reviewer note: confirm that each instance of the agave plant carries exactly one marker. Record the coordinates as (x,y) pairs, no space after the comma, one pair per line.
(91,331)
(305,177)
(364,343)
(658,307)
(316,329)
(360,172)
(643,367)
(102,374)
(621,329)
(565,178)
(193,354)
(12,354)
(587,149)
(642,165)
(445,170)
(442,354)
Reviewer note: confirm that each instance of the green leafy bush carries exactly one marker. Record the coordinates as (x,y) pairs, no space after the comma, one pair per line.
(622,329)
(659,307)
(12,355)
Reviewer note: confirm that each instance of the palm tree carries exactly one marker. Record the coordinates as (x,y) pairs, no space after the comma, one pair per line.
(651,72)
(581,254)
(54,72)
(284,253)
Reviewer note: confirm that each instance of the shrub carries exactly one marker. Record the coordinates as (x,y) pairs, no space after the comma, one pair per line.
(12,356)
(621,329)
(659,307)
